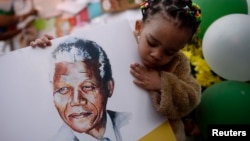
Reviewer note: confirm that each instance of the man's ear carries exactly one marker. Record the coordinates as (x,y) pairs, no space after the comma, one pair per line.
(110,85)
(138,27)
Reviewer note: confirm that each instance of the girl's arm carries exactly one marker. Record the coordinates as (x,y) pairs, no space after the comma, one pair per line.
(180,92)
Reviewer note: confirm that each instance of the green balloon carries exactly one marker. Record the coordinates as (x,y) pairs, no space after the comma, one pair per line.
(212,10)
(226,102)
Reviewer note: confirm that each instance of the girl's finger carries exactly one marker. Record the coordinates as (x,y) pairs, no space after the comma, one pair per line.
(33,44)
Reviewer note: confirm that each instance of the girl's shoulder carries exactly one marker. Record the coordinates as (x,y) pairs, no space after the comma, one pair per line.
(183,59)
(180,64)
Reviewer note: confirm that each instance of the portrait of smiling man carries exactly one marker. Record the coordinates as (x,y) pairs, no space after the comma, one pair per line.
(82,83)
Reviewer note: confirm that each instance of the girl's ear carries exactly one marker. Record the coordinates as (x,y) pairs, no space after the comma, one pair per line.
(138,27)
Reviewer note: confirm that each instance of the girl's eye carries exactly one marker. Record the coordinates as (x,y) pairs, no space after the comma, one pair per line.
(168,53)
(152,44)
(63,90)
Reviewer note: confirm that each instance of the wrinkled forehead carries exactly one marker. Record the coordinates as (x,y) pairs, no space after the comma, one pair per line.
(66,68)
(74,74)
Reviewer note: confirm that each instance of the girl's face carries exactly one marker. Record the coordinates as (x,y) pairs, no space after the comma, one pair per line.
(159,40)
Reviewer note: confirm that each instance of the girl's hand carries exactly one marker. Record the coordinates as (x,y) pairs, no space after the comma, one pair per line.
(42,42)
(145,78)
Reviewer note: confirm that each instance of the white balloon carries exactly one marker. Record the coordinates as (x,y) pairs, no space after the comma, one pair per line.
(226,47)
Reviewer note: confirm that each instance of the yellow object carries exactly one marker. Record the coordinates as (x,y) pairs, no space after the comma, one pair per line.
(163,132)
(201,70)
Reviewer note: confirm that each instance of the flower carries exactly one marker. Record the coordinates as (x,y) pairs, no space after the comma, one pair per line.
(200,69)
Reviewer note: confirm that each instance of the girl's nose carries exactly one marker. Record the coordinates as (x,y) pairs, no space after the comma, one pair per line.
(156,54)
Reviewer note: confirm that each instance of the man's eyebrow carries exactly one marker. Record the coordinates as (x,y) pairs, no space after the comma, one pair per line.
(66,73)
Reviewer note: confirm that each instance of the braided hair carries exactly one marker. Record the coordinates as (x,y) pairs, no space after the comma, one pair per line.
(184,11)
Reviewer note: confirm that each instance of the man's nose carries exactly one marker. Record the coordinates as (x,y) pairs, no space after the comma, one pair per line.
(78,98)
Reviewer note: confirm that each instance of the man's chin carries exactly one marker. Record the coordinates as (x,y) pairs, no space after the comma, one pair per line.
(80,129)
(80,125)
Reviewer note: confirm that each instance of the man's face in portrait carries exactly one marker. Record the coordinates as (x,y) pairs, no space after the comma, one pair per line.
(78,96)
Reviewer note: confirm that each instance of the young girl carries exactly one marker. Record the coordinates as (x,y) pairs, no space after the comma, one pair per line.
(166,27)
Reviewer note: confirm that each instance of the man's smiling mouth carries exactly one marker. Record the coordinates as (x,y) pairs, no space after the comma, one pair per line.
(80,115)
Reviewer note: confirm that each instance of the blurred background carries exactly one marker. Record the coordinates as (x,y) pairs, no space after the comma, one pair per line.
(60,17)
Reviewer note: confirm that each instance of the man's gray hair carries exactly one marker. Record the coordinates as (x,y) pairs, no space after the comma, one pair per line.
(74,49)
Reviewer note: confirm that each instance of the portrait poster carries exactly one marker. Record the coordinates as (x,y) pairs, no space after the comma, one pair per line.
(28,105)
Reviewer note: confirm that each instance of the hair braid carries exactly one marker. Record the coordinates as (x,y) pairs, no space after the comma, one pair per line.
(184,11)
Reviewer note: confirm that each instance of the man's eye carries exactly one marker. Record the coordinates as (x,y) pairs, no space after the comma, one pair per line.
(88,88)
(63,90)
